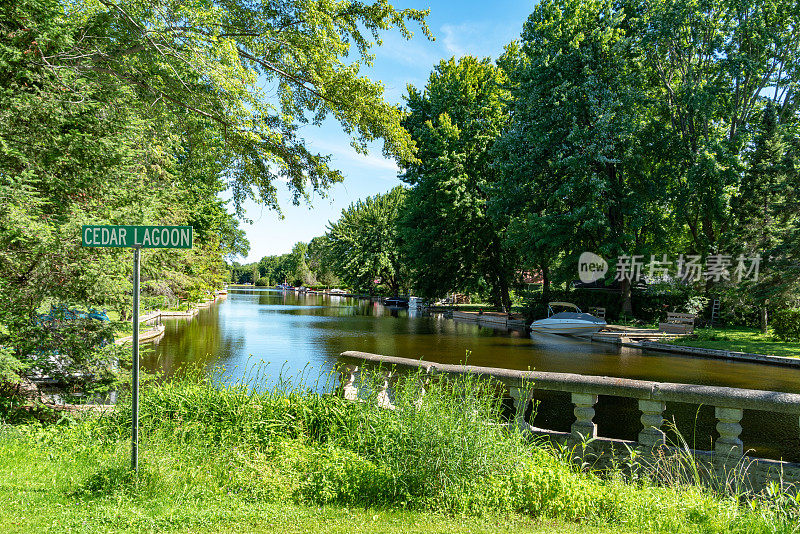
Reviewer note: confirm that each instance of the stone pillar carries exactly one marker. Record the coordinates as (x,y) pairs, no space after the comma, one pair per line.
(348,380)
(652,418)
(520,396)
(729,428)
(383,390)
(584,427)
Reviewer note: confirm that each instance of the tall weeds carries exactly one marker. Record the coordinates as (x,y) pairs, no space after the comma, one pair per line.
(443,446)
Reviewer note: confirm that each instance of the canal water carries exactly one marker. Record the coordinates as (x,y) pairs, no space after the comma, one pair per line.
(261,336)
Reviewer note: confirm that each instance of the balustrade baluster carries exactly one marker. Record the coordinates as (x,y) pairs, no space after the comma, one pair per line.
(348,380)
(729,428)
(521,397)
(424,380)
(383,394)
(584,426)
(652,418)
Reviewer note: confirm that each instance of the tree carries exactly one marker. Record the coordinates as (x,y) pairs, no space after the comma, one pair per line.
(764,211)
(141,112)
(572,176)
(710,68)
(297,266)
(206,66)
(365,246)
(320,261)
(450,242)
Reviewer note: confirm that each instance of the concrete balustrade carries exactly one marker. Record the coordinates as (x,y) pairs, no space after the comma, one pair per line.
(652,418)
(348,381)
(521,398)
(584,426)
(383,391)
(729,428)
(729,405)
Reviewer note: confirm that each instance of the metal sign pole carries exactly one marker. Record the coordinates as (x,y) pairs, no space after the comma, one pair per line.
(135,368)
(138,237)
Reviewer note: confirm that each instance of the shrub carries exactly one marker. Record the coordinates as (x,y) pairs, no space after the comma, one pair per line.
(786,324)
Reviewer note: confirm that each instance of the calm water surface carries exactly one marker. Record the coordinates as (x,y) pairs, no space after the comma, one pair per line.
(302,335)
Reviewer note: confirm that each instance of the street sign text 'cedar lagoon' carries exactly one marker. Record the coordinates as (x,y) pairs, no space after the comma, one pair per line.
(137,236)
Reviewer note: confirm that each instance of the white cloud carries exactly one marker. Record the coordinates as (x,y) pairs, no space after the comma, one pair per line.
(480,39)
(343,152)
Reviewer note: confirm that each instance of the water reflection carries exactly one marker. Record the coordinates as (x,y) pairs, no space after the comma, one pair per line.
(304,334)
(311,330)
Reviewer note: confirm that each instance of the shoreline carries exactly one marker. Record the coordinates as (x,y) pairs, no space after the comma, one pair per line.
(718,354)
(493,320)
(152,334)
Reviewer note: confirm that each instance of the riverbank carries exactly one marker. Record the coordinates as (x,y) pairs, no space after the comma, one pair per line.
(223,459)
(736,344)
(739,339)
(154,317)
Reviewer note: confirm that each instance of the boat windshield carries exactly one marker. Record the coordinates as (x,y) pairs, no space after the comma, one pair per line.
(550,306)
(577,316)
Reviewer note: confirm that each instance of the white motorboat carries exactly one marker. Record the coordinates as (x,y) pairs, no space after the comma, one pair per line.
(568,322)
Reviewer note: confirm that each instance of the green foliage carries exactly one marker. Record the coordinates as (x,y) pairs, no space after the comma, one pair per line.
(10,367)
(320,261)
(201,68)
(450,241)
(573,179)
(365,246)
(786,324)
(137,112)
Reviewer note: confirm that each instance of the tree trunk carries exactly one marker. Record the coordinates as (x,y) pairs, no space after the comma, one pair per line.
(627,305)
(505,298)
(545,282)
(764,319)
(502,300)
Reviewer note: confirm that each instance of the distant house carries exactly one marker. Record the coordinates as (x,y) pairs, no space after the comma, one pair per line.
(530,277)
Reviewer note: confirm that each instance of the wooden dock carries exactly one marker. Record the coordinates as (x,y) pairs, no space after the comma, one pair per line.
(503,320)
(627,334)
(146,335)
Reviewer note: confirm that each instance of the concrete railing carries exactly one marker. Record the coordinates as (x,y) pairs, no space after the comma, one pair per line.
(729,404)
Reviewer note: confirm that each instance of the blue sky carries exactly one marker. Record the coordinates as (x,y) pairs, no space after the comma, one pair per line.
(471,27)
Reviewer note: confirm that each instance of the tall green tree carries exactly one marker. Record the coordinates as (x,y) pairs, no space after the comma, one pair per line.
(572,177)
(765,211)
(297,265)
(320,261)
(450,242)
(711,66)
(365,244)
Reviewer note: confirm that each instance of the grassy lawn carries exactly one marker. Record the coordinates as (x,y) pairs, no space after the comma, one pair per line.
(740,339)
(55,480)
(37,509)
(217,458)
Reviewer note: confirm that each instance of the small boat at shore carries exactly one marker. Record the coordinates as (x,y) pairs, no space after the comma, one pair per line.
(568,322)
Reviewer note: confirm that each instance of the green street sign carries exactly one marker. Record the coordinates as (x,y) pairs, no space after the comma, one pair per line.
(137,236)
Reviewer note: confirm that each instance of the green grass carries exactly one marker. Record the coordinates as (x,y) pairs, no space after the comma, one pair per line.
(227,459)
(740,339)
(37,500)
